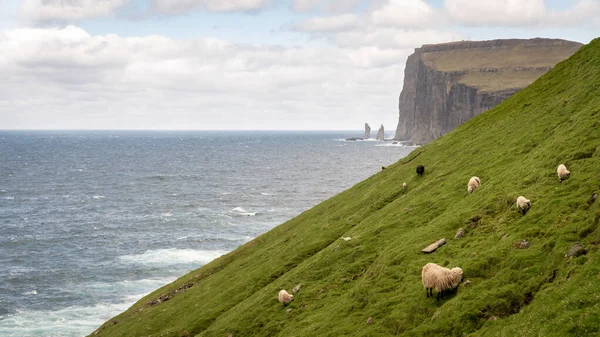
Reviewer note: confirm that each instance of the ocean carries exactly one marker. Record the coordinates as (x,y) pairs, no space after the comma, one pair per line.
(91,221)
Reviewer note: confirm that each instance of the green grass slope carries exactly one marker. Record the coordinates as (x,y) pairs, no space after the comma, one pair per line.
(514,149)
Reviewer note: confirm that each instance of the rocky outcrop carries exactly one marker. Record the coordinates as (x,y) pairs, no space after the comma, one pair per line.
(367,131)
(381,133)
(447,84)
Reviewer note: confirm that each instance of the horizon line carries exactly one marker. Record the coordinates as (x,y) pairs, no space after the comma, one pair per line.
(215,130)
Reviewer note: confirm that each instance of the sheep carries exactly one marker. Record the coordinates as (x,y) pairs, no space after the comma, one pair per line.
(563,173)
(440,278)
(284,297)
(523,204)
(420,170)
(474,183)
(404,186)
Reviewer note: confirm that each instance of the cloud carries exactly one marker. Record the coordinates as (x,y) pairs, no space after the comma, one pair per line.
(69,10)
(329,24)
(582,12)
(69,78)
(496,12)
(405,14)
(183,6)
(332,6)
(394,38)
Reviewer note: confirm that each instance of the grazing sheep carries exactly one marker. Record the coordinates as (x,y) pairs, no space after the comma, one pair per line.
(563,173)
(523,204)
(284,297)
(404,186)
(383,168)
(440,278)
(420,170)
(474,183)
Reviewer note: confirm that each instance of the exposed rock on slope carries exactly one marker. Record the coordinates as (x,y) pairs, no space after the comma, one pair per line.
(367,131)
(447,84)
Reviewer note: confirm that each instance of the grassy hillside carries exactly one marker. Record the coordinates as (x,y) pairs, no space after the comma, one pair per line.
(509,60)
(537,291)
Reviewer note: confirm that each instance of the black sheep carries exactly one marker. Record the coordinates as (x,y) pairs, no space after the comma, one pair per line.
(420,170)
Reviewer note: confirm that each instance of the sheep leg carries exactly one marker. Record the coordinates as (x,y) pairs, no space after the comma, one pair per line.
(427,292)
(439,294)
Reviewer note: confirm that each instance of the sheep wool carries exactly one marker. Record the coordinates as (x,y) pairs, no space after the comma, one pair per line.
(404,186)
(523,204)
(474,183)
(440,278)
(285,297)
(563,173)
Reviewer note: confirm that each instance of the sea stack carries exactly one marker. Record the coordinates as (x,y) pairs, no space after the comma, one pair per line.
(380,133)
(367,131)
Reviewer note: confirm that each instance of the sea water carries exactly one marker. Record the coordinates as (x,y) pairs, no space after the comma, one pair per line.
(91,221)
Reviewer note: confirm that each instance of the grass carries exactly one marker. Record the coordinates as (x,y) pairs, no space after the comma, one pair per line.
(515,54)
(496,81)
(515,149)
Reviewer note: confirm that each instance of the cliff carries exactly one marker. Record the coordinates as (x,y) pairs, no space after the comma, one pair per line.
(447,84)
(515,288)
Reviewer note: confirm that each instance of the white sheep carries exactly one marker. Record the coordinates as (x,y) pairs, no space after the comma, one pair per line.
(474,183)
(523,204)
(563,173)
(284,297)
(440,278)
(404,186)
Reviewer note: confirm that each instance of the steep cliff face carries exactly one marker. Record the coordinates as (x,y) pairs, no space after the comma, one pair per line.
(447,84)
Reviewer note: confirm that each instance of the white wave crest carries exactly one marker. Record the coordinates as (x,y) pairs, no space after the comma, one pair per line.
(242,211)
(172,256)
(33,292)
(70,321)
(98,197)
(398,144)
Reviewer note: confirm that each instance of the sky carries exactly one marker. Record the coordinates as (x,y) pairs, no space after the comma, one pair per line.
(240,64)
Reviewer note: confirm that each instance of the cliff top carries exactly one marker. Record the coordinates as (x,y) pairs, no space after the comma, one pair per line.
(498,64)
(515,289)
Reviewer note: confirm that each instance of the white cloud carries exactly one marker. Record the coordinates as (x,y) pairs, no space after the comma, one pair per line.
(517,13)
(584,11)
(68,78)
(394,38)
(182,6)
(68,10)
(405,14)
(496,12)
(335,6)
(329,24)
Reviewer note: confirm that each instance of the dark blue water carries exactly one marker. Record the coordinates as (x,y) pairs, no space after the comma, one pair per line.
(92,221)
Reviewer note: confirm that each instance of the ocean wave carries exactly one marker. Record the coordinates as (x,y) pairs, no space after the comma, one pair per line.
(68,322)
(33,292)
(242,211)
(98,197)
(172,256)
(398,144)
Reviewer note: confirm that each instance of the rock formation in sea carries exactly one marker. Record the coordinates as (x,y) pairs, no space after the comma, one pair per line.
(447,84)
(367,131)
(380,133)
